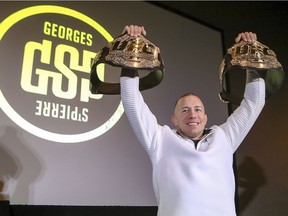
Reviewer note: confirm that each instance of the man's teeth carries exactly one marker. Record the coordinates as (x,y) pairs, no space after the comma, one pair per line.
(193,123)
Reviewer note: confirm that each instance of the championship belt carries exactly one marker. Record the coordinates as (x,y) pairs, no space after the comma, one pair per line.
(254,56)
(125,51)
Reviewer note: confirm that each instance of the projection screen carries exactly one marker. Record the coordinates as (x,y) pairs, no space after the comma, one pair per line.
(61,145)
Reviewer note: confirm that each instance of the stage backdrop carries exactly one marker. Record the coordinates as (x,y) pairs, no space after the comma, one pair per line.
(61,145)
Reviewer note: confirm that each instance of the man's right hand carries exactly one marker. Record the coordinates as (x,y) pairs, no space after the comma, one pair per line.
(134,30)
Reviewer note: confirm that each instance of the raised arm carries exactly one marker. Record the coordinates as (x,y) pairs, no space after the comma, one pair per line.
(243,118)
(142,121)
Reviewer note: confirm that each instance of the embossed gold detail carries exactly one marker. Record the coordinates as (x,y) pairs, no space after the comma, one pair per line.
(255,55)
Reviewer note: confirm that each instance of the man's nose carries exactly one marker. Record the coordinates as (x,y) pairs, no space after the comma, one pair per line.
(192,114)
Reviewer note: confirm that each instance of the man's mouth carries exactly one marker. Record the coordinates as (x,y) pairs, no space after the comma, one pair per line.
(193,123)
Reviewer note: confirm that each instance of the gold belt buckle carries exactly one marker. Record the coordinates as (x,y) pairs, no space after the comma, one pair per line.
(256,56)
(128,51)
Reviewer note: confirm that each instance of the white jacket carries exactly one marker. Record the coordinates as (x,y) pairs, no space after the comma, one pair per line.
(189,181)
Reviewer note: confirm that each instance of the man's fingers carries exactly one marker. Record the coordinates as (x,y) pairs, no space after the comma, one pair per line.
(247,37)
(134,30)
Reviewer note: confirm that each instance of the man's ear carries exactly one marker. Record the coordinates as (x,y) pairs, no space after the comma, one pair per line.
(206,119)
(174,120)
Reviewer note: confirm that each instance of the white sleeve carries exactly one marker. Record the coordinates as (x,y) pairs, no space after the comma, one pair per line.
(142,121)
(242,119)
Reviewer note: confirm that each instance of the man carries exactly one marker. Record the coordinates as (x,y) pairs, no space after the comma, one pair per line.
(192,165)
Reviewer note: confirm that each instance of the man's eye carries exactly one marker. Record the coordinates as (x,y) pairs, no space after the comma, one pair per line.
(185,110)
(198,110)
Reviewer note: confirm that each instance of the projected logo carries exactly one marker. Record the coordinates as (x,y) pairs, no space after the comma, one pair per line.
(45,56)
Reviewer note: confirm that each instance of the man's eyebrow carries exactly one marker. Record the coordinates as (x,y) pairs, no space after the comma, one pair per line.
(198,106)
(192,107)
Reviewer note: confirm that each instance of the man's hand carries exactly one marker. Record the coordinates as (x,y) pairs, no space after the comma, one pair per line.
(247,37)
(134,30)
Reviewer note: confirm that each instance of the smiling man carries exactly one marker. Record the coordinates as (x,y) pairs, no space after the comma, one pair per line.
(189,117)
(192,165)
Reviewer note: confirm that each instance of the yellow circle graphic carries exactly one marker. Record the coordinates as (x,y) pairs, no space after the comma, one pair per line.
(14,116)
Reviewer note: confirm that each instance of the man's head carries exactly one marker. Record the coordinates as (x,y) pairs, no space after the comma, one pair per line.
(189,116)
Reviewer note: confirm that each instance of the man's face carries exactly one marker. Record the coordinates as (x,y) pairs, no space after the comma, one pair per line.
(189,117)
